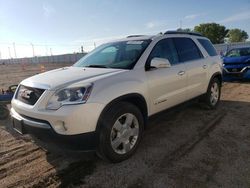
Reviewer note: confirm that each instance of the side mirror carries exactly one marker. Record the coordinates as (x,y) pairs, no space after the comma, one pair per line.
(160,63)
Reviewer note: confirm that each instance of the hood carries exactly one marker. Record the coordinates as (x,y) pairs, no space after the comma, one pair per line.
(65,76)
(241,59)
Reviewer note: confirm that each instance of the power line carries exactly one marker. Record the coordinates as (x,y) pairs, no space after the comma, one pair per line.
(38,44)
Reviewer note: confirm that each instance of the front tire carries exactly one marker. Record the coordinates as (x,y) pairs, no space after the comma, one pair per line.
(212,97)
(120,132)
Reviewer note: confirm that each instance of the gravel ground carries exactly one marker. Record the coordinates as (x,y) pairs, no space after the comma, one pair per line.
(188,146)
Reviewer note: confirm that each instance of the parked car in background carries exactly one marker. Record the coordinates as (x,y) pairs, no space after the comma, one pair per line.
(106,98)
(236,64)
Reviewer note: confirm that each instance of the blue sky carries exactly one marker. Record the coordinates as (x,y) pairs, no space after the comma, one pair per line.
(61,26)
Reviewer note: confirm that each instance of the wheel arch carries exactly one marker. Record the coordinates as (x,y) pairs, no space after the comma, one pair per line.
(134,98)
(216,75)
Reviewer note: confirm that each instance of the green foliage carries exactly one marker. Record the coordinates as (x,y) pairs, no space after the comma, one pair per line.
(237,35)
(215,32)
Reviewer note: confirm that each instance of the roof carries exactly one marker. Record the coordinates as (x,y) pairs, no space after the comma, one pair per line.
(148,37)
(135,37)
(184,33)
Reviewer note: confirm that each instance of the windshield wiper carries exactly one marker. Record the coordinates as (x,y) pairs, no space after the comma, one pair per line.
(97,66)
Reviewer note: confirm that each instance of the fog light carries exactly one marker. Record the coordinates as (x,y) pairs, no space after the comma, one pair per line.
(60,126)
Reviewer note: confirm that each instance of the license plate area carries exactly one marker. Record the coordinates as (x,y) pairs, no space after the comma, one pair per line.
(18,125)
(235,70)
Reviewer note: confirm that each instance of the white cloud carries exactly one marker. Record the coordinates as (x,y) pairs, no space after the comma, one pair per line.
(155,24)
(191,16)
(150,25)
(48,10)
(237,17)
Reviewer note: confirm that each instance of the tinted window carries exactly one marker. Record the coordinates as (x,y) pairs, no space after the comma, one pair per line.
(208,47)
(187,49)
(164,49)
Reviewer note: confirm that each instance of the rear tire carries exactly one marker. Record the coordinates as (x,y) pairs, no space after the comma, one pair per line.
(120,132)
(212,97)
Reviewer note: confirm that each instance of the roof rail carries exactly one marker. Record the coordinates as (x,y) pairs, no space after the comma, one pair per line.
(183,32)
(135,36)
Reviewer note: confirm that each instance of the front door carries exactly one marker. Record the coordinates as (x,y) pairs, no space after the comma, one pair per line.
(196,67)
(166,86)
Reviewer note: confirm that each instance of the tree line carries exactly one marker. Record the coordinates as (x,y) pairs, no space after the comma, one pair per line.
(218,33)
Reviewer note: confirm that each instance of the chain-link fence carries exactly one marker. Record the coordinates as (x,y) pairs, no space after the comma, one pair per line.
(65,58)
(222,48)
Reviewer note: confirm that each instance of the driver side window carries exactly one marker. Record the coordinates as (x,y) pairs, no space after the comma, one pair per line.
(164,49)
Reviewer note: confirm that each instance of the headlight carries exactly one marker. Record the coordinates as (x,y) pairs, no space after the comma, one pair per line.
(69,96)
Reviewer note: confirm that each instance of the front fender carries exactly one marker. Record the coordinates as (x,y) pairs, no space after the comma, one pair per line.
(110,88)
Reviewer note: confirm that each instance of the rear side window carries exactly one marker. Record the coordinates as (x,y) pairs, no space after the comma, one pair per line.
(187,49)
(164,49)
(208,47)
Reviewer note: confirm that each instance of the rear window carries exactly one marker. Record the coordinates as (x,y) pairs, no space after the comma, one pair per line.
(187,49)
(208,47)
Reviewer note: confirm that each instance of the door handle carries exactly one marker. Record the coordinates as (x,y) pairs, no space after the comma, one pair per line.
(204,66)
(181,73)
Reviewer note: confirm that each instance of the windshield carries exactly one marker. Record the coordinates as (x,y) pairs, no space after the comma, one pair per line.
(238,52)
(118,55)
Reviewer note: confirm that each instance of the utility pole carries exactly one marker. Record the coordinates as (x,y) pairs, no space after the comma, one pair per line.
(9,52)
(51,51)
(14,48)
(180,24)
(94,45)
(82,49)
(33,50)
(46,52)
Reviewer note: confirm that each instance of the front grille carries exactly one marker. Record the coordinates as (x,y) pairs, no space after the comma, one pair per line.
(29,95)
(234,69)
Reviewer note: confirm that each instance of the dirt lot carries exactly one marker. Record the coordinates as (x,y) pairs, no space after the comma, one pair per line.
(188,146)
(14,73)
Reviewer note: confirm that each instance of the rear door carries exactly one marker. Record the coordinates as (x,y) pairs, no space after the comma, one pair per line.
(166,86)
(196,65)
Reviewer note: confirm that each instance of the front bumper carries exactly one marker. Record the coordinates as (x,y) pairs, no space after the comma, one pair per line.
(243,74)
(43,130)
(67,120)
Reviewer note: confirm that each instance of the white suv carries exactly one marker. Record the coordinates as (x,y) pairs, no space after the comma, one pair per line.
(104,100)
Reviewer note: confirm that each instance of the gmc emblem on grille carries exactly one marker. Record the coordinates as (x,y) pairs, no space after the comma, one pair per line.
(25,93)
